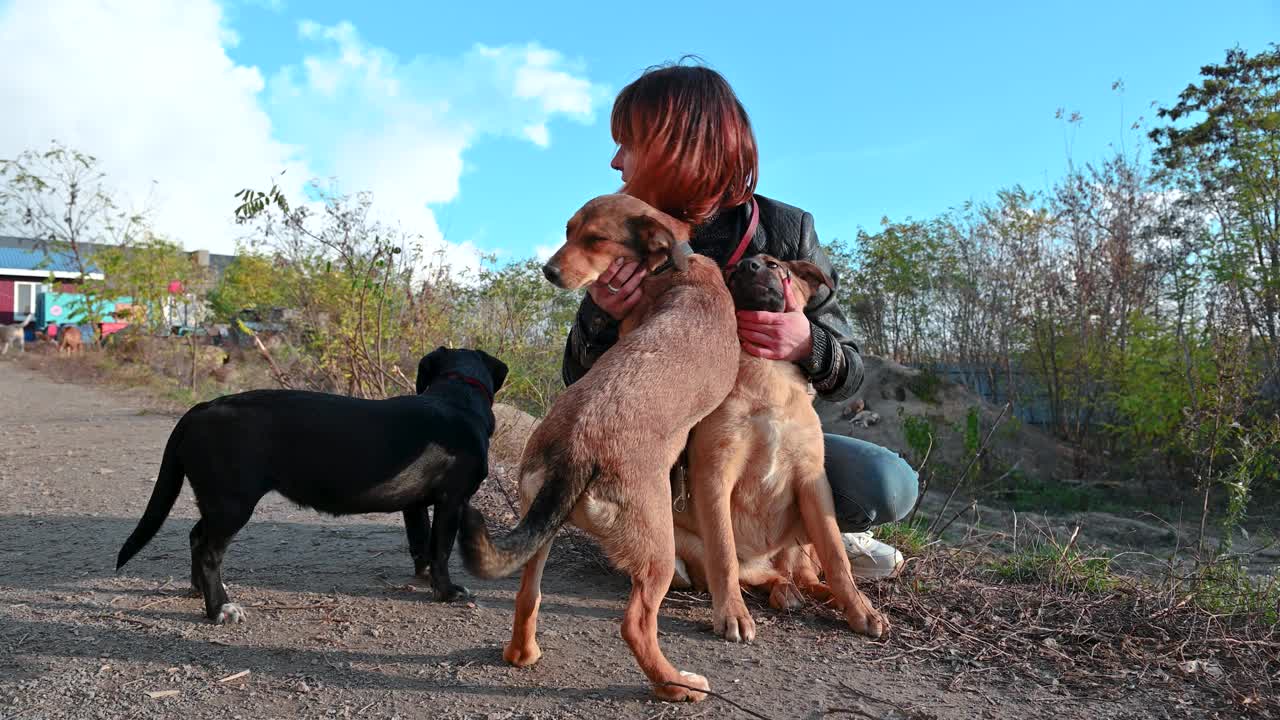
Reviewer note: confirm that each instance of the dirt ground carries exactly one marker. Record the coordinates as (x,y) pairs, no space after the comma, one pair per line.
(338,627)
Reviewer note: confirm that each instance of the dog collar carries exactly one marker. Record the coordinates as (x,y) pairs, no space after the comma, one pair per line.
(746,236)
(472,382)
(667,265)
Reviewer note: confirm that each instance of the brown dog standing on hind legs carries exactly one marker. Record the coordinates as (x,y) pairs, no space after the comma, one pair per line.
(602,456)
(760,508)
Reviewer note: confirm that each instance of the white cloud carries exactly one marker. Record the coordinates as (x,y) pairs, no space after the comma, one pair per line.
(538,134)
(149,88)
(544,252)
(399,128)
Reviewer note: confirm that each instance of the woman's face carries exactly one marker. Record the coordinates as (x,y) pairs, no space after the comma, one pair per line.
(624,162)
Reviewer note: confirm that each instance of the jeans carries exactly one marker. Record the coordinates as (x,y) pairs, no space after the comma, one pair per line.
(871,485)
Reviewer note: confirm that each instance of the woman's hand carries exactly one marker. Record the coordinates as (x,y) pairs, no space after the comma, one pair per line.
(784,335)
(617,290)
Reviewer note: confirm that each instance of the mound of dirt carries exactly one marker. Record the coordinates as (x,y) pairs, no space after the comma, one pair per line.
(511,430)
(895,393)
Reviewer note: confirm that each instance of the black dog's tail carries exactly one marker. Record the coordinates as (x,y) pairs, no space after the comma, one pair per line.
(165,494)
(487,557)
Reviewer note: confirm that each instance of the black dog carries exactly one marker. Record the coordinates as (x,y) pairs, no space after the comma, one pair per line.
(337,454)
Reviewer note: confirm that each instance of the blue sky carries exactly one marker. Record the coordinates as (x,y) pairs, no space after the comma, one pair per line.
(861,110)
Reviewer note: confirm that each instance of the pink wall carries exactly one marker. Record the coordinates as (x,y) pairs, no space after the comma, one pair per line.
(6,300)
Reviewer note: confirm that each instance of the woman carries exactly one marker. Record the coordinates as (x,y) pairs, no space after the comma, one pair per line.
(685,146)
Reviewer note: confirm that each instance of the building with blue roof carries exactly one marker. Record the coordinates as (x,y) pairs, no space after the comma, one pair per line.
(45,284)
(27,271)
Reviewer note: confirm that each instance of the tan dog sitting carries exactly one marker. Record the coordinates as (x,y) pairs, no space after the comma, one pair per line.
(602,456)
(759,501)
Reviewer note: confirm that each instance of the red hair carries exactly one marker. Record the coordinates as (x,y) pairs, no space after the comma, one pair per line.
(691,141)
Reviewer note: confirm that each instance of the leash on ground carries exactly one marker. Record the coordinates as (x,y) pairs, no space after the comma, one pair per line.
(748,711)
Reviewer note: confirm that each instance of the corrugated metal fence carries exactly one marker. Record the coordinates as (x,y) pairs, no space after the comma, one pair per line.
(998,386)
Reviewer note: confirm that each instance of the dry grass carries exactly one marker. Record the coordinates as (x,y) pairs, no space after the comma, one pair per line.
(1054,617)
(158,371)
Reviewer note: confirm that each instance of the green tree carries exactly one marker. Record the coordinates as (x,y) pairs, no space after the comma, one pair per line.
(897,272)
(514,313)
(143,271)
(1221,149)
(252,281)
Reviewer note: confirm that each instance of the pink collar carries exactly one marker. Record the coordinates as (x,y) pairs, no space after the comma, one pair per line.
(746,237)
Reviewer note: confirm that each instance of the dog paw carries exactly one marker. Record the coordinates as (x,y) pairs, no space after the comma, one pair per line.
(230,613)
(785,596)
(451,593)
(684,689)
(866,620)
(522,656)
(734,623)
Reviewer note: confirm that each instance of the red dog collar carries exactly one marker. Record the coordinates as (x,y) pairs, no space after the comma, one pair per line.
(471,381)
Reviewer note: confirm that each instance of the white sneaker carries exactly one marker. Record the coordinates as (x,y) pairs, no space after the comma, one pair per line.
(870,558)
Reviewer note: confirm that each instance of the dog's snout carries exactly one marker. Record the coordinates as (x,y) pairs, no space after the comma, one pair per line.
(552,273)
(752,265)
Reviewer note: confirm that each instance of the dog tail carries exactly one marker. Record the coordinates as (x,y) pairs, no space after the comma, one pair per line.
(487,557)
(168,487)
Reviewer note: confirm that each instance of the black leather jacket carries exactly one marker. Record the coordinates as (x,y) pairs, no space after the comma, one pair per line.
(785,232)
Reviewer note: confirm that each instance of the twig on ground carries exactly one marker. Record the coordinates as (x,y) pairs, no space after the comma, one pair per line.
(910,712)
(234,676)
(718,696)
(977,454)
(998,480)
(849,711)
(1067,548)
(972,506)
(123,618)
(318,606)
(159,601)
(923,486)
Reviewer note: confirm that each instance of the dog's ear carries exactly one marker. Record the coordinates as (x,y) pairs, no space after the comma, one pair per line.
(812,275)
(497,370)
(427,369)
(651,236)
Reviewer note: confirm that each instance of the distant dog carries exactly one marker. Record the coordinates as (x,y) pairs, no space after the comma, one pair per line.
(757,486)
(69,340)
(14,335)
(602,456)
(339,455)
